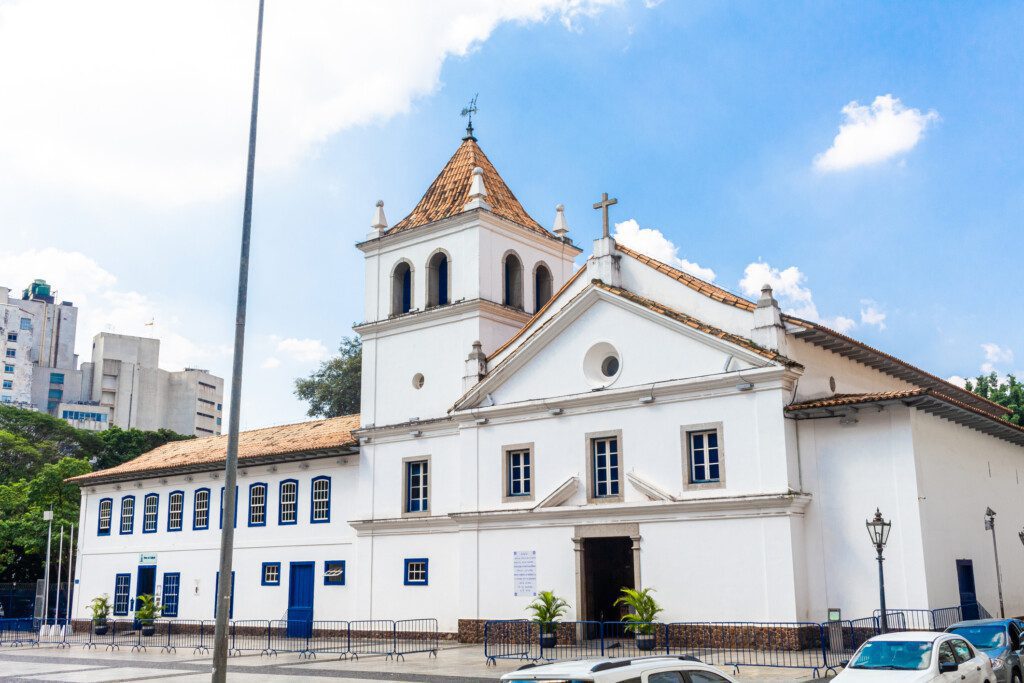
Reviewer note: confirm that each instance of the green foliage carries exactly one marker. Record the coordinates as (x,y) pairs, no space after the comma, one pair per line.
(333,389)
(1009,393)
(100,608)
(547,609)
(146,608)
(30,439)
(122,445)
(645,609)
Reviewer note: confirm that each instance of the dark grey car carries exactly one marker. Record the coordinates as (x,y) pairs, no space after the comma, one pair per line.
(1002,640)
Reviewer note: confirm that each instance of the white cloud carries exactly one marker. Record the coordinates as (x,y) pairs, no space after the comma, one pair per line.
(872,134)
(102,307)
(995,355)
(269,363)
(870,314)
(957,380)
(302,350)
(150,102)
(793,295)
(654,244)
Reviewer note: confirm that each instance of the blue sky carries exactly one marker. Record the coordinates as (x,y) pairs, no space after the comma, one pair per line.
(121,165)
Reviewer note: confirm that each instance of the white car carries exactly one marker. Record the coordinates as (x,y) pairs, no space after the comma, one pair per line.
(918,657)
(663,669)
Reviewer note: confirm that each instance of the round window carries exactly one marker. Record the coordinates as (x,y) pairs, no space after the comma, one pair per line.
(602,365)
(610,366)
(417,381)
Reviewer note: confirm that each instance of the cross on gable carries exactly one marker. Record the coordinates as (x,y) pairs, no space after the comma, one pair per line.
(603,205)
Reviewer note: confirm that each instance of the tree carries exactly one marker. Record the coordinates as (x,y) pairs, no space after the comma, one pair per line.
(122,445)
(1008,393)
(333,389)
(31,439)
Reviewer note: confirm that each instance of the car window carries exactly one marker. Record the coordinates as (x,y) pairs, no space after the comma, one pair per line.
(891,654)
(946,655)
(985,636)
(705,677)
(962,650)
(666,677)
(1014,637)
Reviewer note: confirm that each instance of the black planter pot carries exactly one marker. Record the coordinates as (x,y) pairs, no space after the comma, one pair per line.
(148,629)
(548,640)
(645,642)
(101,628)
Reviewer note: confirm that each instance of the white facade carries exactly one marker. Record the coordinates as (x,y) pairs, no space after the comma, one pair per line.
(807,442)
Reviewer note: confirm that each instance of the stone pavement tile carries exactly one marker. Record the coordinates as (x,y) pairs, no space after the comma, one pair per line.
(26,668)
(99,675)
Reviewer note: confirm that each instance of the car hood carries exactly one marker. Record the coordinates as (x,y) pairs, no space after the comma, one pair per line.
(883,676)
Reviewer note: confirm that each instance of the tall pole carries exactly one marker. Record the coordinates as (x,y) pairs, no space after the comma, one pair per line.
(71,555)
(990,524)
(227,534)
(48,516)
(881,591)
(60,567)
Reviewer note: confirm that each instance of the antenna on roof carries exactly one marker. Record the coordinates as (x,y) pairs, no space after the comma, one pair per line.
(468,111)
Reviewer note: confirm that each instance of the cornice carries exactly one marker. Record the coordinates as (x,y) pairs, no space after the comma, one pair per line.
(430,316)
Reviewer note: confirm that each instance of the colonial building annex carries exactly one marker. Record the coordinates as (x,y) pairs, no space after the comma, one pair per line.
(530,425)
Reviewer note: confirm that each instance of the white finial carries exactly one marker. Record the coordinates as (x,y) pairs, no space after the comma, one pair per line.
(477,192)
(561,227)
(380,221)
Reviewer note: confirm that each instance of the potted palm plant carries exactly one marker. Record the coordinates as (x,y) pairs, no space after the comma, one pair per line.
(644,609)
(146,610)
(547,608)
(100,610)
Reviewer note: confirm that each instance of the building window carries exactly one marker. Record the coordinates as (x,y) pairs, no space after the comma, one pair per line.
(231,595)
(416,572)
(542,286)
(26,323)
(122,584)
(288,502)
(12,353)
(56,378)
(234,517)
(106,513)
(320,510)
(703,459)
(12,336)
(271,574)
(150,506)
(169,599)
(127,514)
(334,573)
(218,406)
(8,368)
(257,505)
(175,510)
(417,486)
(518,472)
(605,467)
(513,281)
(439,279)
(8,384)
(201,509)
(401,289)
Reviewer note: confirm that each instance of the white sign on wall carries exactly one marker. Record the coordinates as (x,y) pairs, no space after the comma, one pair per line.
(524,572)
(147,558)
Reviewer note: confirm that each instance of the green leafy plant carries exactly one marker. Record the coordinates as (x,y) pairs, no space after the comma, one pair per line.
(644,610)
(146,608)
(547,608)
(100,608)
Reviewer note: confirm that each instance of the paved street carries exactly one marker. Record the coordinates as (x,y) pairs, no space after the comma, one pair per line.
(458,664)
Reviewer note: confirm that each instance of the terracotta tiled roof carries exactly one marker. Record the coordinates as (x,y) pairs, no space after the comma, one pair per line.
(691,281)
(840,400)
(197,454)
(448,194)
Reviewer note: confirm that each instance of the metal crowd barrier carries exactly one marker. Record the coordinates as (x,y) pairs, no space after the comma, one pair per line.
(790,645)
(522,639)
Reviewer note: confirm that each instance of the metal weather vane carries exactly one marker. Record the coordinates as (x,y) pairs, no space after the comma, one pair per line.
(468,111)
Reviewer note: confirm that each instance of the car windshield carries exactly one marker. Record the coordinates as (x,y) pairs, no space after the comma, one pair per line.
(890,654)
(986,637)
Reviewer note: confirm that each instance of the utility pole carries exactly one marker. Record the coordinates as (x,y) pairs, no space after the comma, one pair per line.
(227,534)
(990,525)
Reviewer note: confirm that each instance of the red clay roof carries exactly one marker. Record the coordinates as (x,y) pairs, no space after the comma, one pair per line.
(448,194)
(691,281)
(840,400)
(302,437)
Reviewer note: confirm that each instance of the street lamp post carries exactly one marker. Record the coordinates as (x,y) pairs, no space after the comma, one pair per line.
(878,531)
(990,525)
(48,518)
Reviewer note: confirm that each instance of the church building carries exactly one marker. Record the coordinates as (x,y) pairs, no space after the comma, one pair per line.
(528,424)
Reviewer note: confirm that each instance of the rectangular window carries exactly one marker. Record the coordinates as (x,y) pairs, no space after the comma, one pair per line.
(55,393)
(271,574)
(321,510)
(703,456)
(201,509)
(150,506)
(169,599)
(605,467)
(12,353)
(288,502)
(8,368)
(26,323)
(56,378)
(417,486)
(12,336)
(106,512)
(518,473)
(257,505)
(175,510)
(122,585)
(416,571)
(127,514)
(8,384)
(334,573)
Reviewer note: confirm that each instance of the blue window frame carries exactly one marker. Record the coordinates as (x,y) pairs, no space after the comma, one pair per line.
(175,510)
(122,586)
(417,486)
(705,466)
(56,378)
(416,571)
(288,502)
(11,353)
(106,515)
(231,603)
(127,515)
(258,504)
(8,384)
(270,574)
(519,477)
(201,509)
(26,323)
(169,597)
(320,500)
(150,512)
(8,368)
(605,465)
(234,519)
(334,573)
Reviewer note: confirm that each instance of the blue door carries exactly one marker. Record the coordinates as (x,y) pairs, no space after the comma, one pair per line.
(968,594)
(145,584)
(300,600)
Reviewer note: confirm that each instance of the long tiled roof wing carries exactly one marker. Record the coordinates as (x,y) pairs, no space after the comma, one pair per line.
(448,194)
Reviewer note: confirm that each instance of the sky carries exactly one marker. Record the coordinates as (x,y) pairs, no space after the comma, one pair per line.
(864,158)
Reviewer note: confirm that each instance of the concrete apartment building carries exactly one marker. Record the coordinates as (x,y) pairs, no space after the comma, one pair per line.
(121,385)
